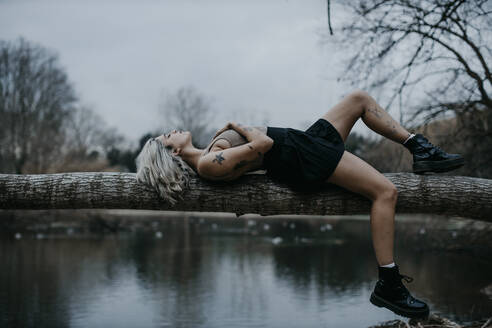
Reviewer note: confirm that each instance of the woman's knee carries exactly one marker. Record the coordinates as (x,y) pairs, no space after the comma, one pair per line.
(359,96)
(388,193)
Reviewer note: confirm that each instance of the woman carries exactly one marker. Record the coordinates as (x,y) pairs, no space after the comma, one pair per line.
(305,159)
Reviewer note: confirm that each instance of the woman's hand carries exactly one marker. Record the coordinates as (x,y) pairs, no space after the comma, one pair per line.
(227,127)
(241,129)
(249,133)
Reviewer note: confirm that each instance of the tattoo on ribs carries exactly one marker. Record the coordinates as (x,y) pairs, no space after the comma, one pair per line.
(243,163)
(219,158)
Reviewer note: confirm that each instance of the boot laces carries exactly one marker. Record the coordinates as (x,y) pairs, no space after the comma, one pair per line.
(406,278)
(428,144)
(401,287)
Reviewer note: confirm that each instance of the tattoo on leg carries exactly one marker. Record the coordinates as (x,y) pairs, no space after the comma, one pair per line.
(374,110)
(392,128)
(219,158)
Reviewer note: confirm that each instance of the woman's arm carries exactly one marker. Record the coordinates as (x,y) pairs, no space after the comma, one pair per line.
(228,164)
(250,133)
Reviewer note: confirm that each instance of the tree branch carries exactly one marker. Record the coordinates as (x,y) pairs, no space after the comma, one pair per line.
(474,75)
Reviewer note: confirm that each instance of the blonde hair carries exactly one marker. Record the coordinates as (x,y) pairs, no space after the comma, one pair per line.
(158,168)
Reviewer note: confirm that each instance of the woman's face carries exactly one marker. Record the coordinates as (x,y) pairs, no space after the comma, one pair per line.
(175,139)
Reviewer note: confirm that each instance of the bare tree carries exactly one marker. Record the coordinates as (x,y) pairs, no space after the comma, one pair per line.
(35,100)
(87,138)
(83,130)
(87,131)
(188,110)
(433,58)
(441,46)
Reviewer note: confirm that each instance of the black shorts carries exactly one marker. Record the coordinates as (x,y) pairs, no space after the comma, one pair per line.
(304,159)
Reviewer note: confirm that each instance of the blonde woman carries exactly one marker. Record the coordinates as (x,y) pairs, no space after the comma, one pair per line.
(306,159)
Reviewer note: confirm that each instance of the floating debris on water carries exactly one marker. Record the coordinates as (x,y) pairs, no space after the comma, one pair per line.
(326,227)
(422,231)
(251,223)
(338,241)
(277,240)
(18,236)
(266,227)
(292,225)
(158,234)
(214,226)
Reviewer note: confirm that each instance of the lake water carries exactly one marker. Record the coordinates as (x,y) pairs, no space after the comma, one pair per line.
(198,273)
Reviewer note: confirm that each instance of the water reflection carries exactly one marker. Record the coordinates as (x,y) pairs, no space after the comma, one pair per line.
(188,277)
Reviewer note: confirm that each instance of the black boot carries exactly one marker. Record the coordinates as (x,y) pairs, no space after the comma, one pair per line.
(430,158)
(390,293)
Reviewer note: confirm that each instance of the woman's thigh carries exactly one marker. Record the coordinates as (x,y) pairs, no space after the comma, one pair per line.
(344,114)
(358,176)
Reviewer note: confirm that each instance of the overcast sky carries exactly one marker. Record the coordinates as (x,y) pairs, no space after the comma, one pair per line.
(252,59)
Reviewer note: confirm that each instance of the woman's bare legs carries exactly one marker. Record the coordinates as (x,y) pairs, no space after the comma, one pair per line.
(356,175)
(359,104)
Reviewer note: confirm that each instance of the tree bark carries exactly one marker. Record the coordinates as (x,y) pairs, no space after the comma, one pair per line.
(252,193)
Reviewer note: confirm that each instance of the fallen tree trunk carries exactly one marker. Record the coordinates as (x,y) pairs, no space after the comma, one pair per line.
(251,193)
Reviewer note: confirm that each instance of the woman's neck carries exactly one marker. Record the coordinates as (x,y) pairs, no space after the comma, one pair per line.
(191,155)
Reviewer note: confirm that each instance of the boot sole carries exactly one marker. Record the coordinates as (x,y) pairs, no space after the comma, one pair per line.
(437,166)
(380,302)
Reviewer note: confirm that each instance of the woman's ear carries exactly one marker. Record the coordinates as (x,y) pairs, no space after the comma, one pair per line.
(177,152)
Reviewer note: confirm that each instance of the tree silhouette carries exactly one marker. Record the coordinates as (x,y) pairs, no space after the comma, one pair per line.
(35,99)
(188,110)
(442,46)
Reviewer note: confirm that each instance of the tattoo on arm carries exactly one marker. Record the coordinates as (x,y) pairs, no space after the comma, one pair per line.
(218,158)
(232,173)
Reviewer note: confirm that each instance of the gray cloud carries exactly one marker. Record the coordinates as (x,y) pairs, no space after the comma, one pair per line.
(245,55)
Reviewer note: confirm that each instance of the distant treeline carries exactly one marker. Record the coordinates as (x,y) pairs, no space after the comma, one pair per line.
(45,128)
